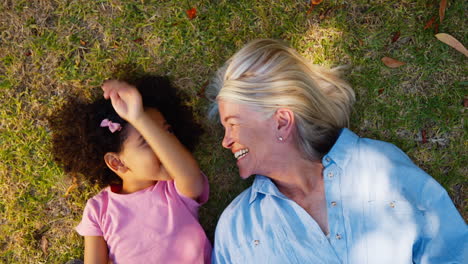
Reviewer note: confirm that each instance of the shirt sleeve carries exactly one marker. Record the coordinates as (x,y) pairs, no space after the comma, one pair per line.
(89,225)
(445,234)
(192,204)
(221,253)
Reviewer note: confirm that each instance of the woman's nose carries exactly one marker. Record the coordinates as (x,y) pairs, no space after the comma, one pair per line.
(227,140)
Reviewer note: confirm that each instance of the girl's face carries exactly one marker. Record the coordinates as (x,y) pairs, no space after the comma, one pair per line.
(138,156)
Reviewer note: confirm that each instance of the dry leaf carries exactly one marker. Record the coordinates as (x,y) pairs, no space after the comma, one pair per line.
(44,244)
(313,3)
(423,136)
(396,36)
(430,22)
(392,63)
(192,13)
(82,42)
(452,42)
(138,40)
(442,6)
(72,187)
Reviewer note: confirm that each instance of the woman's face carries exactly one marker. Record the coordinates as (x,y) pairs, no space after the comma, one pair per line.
(249,136)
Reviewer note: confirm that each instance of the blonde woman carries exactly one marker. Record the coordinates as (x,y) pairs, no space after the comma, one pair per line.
(321,193)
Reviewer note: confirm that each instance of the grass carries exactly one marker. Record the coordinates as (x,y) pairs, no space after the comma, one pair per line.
(51,49)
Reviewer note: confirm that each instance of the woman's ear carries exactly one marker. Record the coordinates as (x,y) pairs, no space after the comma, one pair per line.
(114,163)
(285,123)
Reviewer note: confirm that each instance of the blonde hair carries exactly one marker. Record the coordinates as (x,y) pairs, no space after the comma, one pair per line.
(267,74)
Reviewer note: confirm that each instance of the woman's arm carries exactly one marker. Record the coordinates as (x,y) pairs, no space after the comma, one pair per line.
(177,160)
(95,250)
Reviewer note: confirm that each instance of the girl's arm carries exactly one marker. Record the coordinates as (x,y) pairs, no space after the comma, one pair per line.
(177,160)
(95,250)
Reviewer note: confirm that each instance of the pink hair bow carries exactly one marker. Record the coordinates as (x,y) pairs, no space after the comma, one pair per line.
(112,126)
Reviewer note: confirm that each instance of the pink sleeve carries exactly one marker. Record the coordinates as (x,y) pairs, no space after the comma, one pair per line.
(89,225)
(194,204)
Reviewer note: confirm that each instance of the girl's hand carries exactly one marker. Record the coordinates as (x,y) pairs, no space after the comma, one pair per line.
(125,99)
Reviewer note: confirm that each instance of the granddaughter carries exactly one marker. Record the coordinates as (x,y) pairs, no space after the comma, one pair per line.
(151,215)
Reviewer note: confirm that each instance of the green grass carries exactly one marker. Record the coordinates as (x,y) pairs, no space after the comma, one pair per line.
(51,49)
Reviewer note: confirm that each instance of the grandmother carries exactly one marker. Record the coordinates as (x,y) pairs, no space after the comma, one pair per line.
(321,193)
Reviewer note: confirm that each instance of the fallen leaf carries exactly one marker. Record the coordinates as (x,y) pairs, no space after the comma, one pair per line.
(28,53)
(392,63)
(396,36)
(313,3)
(442,6)
(452,42)
(192,13)
(82,42)
(430,22)
(44,244)
(138,40)
(381,91)
(423,136)
(72,187)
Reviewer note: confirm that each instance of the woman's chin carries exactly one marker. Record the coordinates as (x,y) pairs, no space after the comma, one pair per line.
(244,174)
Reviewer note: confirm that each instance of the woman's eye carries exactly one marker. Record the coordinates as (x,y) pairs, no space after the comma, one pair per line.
(170,130)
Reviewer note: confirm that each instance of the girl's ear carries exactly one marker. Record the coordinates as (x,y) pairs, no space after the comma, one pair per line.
(284,123)
(114,163)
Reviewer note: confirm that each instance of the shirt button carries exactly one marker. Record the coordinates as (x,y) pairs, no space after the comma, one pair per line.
(327,159)
(330,175)
(333,203)
(338,236)
(392,204)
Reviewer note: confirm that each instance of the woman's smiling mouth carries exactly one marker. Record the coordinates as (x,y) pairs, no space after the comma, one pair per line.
(241,153)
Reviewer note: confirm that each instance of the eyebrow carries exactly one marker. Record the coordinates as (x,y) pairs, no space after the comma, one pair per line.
(229,117)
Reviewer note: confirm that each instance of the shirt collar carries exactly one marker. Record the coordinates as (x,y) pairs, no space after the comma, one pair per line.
(342,150)
(264,185)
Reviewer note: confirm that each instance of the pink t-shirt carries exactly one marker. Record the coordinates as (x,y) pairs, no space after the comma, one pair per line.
(153,225)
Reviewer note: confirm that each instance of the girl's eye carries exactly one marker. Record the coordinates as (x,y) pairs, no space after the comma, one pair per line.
(170,130)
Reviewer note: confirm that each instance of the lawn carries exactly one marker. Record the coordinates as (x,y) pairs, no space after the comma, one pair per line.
(50,50)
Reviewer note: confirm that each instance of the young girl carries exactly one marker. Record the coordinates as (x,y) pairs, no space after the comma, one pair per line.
(151,216)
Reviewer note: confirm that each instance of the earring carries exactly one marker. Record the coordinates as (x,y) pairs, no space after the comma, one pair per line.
(280,138)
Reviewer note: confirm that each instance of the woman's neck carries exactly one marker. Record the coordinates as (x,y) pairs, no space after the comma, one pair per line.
(300,179)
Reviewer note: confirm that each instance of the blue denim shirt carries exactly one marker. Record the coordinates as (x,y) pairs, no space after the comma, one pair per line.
(381,209)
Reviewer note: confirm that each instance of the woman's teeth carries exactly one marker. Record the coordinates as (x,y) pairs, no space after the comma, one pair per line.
(241,153)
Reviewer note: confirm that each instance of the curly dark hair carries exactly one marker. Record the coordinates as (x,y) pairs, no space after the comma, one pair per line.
(79,143)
